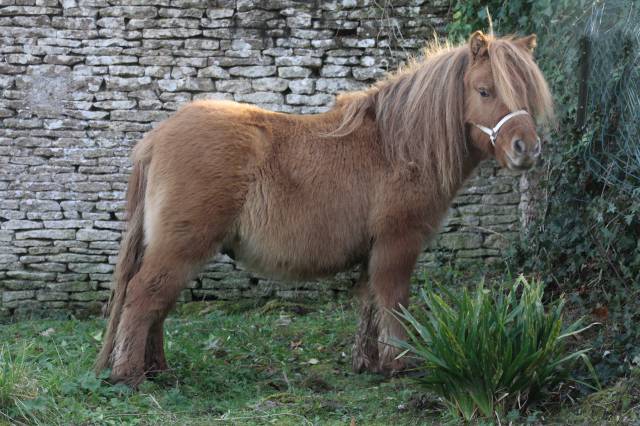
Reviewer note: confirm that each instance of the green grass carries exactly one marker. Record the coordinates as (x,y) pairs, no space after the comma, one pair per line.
(261,365)
(243,364)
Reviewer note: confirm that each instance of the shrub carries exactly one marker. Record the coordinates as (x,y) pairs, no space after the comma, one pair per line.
(491,351)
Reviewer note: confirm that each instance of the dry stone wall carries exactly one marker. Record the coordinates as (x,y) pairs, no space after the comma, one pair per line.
(83,80)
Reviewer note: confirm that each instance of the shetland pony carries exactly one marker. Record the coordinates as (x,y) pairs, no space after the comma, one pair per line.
(299,197)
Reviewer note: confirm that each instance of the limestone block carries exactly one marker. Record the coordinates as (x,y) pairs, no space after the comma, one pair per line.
(234,86)
(459,241)
(130,12)
(319,99)
(21,224)
(213,72)
(71,286)
(100,268)
(302,86)
(335,71)
(47,267)
(253,71)
(86,296)
(293,72)
(45,295)
(11,296)
(171,32)
(50,234)
(260,97)
(274,84)
(367,73)
(97,235)
(23,284)
(301,61)
(334,85)
(220,13)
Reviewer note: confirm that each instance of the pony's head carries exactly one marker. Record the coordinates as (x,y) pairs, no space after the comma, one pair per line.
(432,112)
(505,95)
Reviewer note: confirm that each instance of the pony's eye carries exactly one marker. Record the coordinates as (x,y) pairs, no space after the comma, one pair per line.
(483,92)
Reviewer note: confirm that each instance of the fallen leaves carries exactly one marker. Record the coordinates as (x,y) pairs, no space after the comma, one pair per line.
(601,312)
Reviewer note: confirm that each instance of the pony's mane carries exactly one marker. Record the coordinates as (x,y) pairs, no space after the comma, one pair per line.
(419,109)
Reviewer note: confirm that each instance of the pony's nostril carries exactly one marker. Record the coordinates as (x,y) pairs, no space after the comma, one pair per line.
(518,146)
(538,149)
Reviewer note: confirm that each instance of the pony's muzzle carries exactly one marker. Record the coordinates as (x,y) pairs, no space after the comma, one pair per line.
(523,155)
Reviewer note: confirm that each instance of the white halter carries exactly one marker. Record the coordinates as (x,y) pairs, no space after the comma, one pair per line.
(493,133)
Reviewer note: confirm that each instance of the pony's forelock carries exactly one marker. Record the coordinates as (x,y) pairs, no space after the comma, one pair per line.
(518,80)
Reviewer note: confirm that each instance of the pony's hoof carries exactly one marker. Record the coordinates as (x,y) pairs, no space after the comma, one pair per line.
(360,363)
(133,380)
(155,365)
(153,371)
(392,368)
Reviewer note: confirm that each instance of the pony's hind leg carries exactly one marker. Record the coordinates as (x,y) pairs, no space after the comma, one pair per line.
(365,347)
(174,255)
(392,261)
(151,294)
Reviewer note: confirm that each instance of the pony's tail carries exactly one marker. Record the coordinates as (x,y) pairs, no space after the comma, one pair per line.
(130,255)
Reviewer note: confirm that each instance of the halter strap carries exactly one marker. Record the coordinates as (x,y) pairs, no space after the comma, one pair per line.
(493,133)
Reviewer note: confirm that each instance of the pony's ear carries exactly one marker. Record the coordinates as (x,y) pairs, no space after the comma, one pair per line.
(478,44)
(529,42)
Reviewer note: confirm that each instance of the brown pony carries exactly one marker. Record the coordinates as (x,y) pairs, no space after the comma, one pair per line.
(297,197)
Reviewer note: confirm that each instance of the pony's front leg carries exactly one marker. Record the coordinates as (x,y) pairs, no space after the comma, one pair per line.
(393,258)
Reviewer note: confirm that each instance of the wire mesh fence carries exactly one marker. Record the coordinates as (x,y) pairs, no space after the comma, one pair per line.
(612,29)
(606,70)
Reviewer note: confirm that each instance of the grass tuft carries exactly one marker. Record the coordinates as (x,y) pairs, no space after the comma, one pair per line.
(490,352)
(16,384)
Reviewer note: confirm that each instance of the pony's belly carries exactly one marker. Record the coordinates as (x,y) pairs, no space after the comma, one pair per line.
(300,258)
(272,263)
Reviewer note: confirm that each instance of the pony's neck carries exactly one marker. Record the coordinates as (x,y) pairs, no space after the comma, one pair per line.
(419,115)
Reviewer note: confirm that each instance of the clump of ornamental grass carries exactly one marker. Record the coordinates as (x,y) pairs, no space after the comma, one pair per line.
(488,352)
